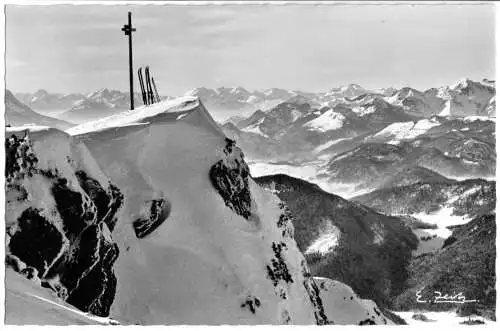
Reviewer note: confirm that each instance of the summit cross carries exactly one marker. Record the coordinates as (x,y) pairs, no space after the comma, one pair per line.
(128,29)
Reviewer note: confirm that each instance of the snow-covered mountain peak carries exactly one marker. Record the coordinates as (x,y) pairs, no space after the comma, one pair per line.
(299,99)
(106,95)
(443,92)
(329,120)
(195,241)
(239,90)
(278,93)
(216,241)
(461,84)
(201,92)
(41,93)
(386,91)
(349,91)
(100,93)
(407,92)
(351,87)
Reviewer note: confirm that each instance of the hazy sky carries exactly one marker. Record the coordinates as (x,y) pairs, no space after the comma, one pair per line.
(69,48)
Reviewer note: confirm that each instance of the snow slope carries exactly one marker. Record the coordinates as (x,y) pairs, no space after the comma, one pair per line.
(345,307)
(328,144)
(254,128)
(222,253)
(28,303)
(407,130)
(329,120)
(328,239)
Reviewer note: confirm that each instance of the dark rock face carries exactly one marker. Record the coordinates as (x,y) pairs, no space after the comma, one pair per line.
(230,144)
(448,241)
(20,160)
(95,292)
(252,303)
(69,249)
(116,201)
(285,221)
(278,273)
(279,270)
(230,178)
(158,213)
(367,321)
(107,203)
(72,206)
(313,292)
(37,242)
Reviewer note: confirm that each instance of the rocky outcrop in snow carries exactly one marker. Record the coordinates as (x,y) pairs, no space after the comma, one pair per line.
(229,176)
(157,213)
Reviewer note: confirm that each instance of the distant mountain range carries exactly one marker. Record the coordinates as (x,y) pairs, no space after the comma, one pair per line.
(358,143)
(466,97)
(371,165)
(362,137)
(77,107)
(18,114)
(43,101)
(352,110)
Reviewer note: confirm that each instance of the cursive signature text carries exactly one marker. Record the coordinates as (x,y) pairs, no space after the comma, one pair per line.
(444,298)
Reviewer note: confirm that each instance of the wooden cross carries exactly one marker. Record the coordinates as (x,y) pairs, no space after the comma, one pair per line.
(128,29)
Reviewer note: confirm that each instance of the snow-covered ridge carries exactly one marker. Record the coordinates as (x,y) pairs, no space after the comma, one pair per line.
(164,110)
(228,260)
(254,128)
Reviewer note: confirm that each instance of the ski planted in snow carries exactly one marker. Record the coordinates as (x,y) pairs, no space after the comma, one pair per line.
(141,83)
(156,91)
(148,87)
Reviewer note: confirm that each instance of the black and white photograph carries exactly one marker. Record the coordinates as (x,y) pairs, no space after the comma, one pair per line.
(260,163)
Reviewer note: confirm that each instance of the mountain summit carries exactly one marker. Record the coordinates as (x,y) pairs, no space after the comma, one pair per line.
(151,217)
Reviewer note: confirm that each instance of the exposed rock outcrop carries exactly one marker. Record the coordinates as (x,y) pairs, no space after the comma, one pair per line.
(59,220)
